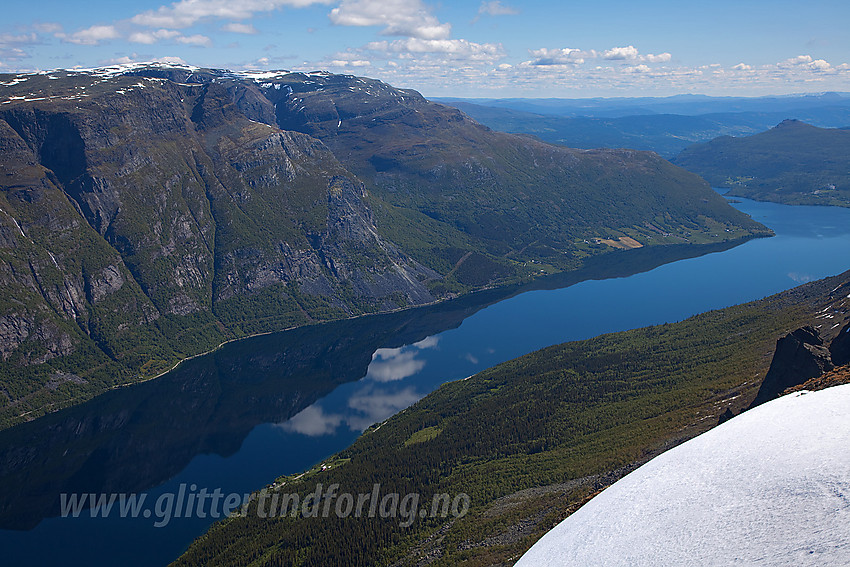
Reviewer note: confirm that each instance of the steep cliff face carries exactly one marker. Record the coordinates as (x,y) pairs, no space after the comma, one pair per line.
(800,356)
(148,213)
(809,353)
(142,220)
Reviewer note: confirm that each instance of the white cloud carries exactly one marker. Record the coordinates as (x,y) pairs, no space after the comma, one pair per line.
(565,56)
(631,53)
(91,36)
(238,27)
(197,39)
(496,8)
(642,68)
(186,13)
(621,53)
(122,60)
(170,59)
(8,39)
(350,63)
(10,45)
(805,62)
(660,58)
(572,56)
(149,38)
(451,48)
(409,18)
(742,67)
(795,61)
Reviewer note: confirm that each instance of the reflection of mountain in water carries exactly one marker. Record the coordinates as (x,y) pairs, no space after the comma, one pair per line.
(135,438)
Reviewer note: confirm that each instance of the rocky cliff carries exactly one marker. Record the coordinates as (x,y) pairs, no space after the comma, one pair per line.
(809,353)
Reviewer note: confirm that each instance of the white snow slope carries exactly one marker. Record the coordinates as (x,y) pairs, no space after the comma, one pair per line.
(769,487)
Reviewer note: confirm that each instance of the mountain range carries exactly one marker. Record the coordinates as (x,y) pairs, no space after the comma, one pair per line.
(149,213)
(665,125)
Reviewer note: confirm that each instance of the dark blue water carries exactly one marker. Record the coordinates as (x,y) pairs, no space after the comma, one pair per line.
(340,392)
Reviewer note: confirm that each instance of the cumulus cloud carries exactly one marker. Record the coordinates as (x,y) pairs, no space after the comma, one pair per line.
(660,58)
(806,62)
(799,60)
(631,53)
(350,63)
(565,56)
(621,53)
(91,35)
(572,56)
(186,13)
(409,18)
(152,37)
(742,67)
(451,48)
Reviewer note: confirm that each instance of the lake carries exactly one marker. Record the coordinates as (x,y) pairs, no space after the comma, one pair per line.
(278,404)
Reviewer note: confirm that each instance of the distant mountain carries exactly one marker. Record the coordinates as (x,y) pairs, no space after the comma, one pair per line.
(665,133)
(686,104)
(767,486)
(151,212)
(792,163)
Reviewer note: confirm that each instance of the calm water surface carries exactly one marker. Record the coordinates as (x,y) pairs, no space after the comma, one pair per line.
(276,405)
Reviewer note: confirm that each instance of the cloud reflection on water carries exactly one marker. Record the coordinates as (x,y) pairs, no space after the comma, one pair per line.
(375,400)
(391,364)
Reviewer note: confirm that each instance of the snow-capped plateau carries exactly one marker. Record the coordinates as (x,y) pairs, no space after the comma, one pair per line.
(769,487)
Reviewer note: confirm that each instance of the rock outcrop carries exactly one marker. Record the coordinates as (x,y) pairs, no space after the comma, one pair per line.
(800,356)
(839,349)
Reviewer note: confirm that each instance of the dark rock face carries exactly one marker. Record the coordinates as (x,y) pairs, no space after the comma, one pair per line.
(725,416)
(800,356)
(840,347)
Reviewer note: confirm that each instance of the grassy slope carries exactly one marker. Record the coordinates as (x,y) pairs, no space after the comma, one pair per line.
(794,163)
(528,440)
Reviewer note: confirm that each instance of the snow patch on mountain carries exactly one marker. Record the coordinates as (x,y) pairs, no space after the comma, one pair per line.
(769,487)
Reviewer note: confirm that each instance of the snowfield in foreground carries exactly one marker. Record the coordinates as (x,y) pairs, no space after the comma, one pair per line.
(769,487)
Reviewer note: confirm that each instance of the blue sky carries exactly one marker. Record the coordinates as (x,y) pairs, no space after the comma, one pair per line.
(483,48)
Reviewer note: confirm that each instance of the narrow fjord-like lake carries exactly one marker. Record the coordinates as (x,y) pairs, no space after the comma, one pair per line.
(277,404)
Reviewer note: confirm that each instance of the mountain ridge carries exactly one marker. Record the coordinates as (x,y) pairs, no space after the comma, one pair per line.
(152,212)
